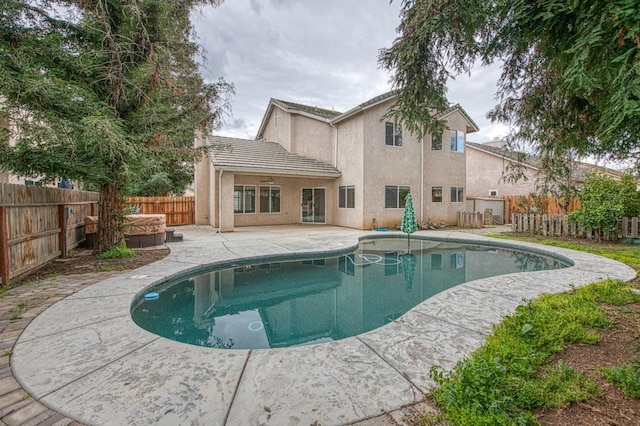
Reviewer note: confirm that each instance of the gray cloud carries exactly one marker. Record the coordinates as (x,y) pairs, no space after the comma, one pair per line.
(317,53)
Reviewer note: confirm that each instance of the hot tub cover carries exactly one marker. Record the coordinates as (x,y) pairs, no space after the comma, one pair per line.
(134,224)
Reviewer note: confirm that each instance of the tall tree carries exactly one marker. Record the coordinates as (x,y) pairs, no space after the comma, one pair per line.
(102,91)
(570,84)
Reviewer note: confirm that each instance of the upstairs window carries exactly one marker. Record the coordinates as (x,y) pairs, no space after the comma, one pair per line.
(436,141)
(269,199)
(394,196)
(457,140)
(393,134)
(347,196)
(244,199)
(457,194)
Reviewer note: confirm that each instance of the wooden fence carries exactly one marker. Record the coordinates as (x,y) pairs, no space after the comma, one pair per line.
(561,226)
(179,210)
(470,220)
(38,224)
(543,204)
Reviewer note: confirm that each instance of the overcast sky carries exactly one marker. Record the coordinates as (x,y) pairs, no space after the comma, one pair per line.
(319,53)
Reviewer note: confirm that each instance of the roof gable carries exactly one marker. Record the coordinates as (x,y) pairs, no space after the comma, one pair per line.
(443,114)
(313,112)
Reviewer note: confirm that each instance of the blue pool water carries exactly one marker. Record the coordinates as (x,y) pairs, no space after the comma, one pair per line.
(297,302)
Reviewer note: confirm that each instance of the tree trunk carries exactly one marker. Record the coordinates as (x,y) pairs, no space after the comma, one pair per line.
(109,219)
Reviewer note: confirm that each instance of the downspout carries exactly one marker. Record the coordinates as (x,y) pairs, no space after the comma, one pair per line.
(335,146)
(422,149)
(220,199)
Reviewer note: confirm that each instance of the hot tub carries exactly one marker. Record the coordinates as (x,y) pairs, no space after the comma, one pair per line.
(140,230)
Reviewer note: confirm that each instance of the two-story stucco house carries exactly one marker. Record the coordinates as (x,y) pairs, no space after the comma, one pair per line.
(352,169)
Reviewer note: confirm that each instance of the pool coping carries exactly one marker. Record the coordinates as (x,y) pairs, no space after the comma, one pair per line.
(84,356)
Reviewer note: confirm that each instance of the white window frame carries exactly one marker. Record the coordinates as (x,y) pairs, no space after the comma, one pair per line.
(400,201)
(396,134)
(270,198)
(457,140)
(243,199)
(344,200)
(459,194)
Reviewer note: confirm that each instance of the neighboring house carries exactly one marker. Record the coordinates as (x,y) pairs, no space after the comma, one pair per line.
(352,169)
(487,166)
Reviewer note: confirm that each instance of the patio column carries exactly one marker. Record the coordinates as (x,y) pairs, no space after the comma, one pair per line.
(225,209)
(202,191)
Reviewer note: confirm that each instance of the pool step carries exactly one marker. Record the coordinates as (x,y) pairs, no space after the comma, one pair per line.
(171,236)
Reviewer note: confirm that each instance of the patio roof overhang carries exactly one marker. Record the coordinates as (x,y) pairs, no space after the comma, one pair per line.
(266,171)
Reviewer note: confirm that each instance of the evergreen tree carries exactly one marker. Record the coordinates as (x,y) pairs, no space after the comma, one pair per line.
(570,85)
(103,91)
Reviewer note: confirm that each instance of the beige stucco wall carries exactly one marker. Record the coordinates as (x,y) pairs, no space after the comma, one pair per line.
(312,138)
(290,200)
(484,173)
(202,186)
(363,136)
(278,128)
(387,165)
(445,168)
(301,135)
(349,162)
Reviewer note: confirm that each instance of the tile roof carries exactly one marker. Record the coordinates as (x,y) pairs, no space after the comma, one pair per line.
(258,156)
(371,102)
(313,110)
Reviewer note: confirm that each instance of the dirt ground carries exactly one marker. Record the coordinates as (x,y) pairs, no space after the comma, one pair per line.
(619,344)
(81,261)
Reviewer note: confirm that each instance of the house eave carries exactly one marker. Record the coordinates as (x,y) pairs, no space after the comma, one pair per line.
(273,103)
(274,171)
(364,106)
(470,129)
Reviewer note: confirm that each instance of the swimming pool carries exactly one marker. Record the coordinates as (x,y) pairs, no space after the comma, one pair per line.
(291,302)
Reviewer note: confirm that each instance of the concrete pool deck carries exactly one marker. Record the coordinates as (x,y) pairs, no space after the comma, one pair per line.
(85,358)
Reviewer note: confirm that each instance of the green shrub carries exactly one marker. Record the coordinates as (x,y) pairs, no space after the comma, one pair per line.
(118,252)
(626,377)
(604,200)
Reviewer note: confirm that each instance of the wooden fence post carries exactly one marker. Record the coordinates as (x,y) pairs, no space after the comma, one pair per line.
(634,227)
(62,223)
(4,247)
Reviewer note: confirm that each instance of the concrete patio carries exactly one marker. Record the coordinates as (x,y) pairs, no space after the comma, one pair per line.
(84,357)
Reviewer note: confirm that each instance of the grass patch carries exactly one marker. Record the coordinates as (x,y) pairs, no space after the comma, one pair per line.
(503,380)
(627,254)
(118,252)
(108,268)
(626,377)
